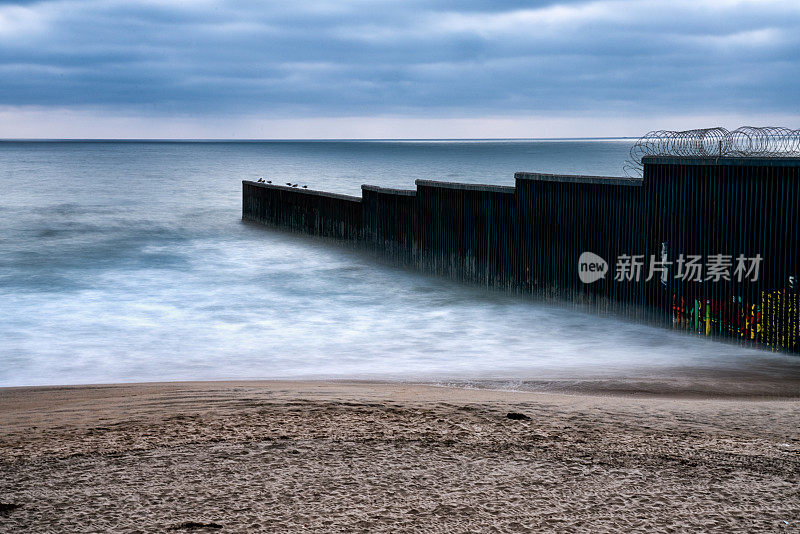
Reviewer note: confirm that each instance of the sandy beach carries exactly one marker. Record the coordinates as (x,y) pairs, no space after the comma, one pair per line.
(389,457)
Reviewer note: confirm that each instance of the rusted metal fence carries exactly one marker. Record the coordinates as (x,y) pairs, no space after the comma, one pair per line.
(390,223)
(467,231)
(560,218)
(705,245)
(303,210)
(743,214)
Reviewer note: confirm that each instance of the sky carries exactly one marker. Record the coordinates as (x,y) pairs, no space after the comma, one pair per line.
(394,69)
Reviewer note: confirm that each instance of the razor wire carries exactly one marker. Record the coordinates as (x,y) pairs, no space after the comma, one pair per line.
(747,141)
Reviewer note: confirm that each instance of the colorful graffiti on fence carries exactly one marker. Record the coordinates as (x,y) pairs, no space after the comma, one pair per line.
(780,319)
(773,322)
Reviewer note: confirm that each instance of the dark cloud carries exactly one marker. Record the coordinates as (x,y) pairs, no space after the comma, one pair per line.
(414,57)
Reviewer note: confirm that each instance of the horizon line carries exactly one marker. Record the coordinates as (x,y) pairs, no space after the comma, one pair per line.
(298,139)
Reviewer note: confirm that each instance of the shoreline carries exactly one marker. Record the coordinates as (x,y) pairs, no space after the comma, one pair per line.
(336,456)
(679,383)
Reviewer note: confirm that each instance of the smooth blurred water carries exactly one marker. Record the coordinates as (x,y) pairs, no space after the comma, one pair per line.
(128,261)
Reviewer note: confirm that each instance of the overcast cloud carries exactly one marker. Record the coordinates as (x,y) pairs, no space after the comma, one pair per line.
(411,60)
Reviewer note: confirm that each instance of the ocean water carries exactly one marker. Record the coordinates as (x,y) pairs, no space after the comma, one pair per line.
(128,261)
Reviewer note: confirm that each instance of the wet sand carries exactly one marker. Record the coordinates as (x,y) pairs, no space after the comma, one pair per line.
(388,457)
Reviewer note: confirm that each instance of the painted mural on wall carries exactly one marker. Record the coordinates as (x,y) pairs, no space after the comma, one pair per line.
(773,321)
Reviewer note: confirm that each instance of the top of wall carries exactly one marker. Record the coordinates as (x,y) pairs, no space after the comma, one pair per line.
(300,190)
(726,160)
(388,190)
(577,179)
(466,187)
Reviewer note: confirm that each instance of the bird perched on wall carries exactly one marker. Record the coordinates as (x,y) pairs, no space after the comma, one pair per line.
(269,181)
(305,187)
(259,180)
(294,185)
(288,183)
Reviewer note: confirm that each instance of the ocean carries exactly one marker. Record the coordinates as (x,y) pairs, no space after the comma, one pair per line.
(128,262)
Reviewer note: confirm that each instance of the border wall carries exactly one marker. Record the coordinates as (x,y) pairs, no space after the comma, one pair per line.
(303,210)
(390,223)
(467,232)
(733,206)
(531,237)
(560,217)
